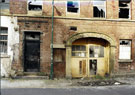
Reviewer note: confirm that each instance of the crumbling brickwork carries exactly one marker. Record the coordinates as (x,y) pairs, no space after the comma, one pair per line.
(111,26)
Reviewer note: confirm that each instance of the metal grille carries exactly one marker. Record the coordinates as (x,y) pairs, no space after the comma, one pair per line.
(3,39)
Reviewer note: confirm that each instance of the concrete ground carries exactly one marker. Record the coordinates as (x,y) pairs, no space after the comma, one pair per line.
(117,90)
(60,83)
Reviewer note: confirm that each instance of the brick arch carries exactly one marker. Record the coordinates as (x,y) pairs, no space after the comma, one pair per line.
(90,34)
(86,35)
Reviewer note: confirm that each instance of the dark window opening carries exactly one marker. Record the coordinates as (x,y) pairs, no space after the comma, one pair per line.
(72,6)
(35,5)
(99,8)
(124,8)
(73,28)
(3,1)
(98,13)
(123,13)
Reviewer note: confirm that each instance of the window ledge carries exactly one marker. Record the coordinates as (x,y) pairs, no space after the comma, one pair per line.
(125,60)
(4,56)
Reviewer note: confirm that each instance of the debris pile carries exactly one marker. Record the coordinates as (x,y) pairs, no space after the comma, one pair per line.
(101,83)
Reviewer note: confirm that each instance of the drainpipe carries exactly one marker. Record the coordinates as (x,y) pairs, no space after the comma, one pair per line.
(51,73)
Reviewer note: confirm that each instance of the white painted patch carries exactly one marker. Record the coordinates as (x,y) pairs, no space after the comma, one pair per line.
(13,40)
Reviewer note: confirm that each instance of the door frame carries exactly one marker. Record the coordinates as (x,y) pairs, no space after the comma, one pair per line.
(110,39)
(23,48)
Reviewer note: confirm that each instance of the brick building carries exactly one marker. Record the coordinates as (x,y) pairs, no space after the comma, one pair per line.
(91,37)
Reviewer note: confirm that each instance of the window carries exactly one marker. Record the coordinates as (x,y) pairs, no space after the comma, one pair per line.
(3,40)
(2,0)
(124,8)
(125,49)
(74,28)
(79,50)
(72,6)
(96,51)
(35,5)
(99,8)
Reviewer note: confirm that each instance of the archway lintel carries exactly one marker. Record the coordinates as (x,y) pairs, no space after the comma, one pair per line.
(90,34)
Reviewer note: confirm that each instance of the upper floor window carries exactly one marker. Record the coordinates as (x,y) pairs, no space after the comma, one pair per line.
(3,39)
(73,6)
(99,8)
(35,5)
(125,49)
(124,8)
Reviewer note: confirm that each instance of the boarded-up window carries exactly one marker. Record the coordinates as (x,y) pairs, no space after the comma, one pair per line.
(124,8)
(125,49)
(59,55)
(3,40)
(73,6)
(99,8)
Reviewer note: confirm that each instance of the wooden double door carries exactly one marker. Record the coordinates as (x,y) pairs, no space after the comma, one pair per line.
(89,60)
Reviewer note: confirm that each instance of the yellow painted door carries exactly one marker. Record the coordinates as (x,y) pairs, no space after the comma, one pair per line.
(96,60)
(79,67)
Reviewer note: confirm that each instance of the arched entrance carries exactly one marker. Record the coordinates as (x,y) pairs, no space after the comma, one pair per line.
(89,54)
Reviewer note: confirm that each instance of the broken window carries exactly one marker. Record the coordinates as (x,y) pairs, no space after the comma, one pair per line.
(99,8)
(96,51)
(73,6)
(124,8)
(79,50)
(35,5)
(3,40)
(125,49)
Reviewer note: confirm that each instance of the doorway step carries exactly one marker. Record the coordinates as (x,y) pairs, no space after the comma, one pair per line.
(32,75)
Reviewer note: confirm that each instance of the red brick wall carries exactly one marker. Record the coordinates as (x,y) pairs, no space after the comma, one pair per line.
(18,6)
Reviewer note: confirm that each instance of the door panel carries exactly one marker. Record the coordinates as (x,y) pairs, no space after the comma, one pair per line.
(79,67)
(32,52)
(95,61)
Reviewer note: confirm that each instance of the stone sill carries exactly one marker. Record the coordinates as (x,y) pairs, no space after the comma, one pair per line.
(7,13)
(125,60)
(4,56)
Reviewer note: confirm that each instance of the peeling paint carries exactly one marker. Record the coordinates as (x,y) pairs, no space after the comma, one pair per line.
(12,47)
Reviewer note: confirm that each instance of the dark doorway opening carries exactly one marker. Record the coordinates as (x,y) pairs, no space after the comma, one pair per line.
(93,67)
(32,52)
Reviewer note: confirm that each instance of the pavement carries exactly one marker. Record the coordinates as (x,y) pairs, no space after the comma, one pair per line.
(65,83)
(117,90)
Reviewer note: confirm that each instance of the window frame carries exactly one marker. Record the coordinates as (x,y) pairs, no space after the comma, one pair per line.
(130,6)
(105,6)
(130,56)
(79,51)
(5,41)
(73,12)
(34,10)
